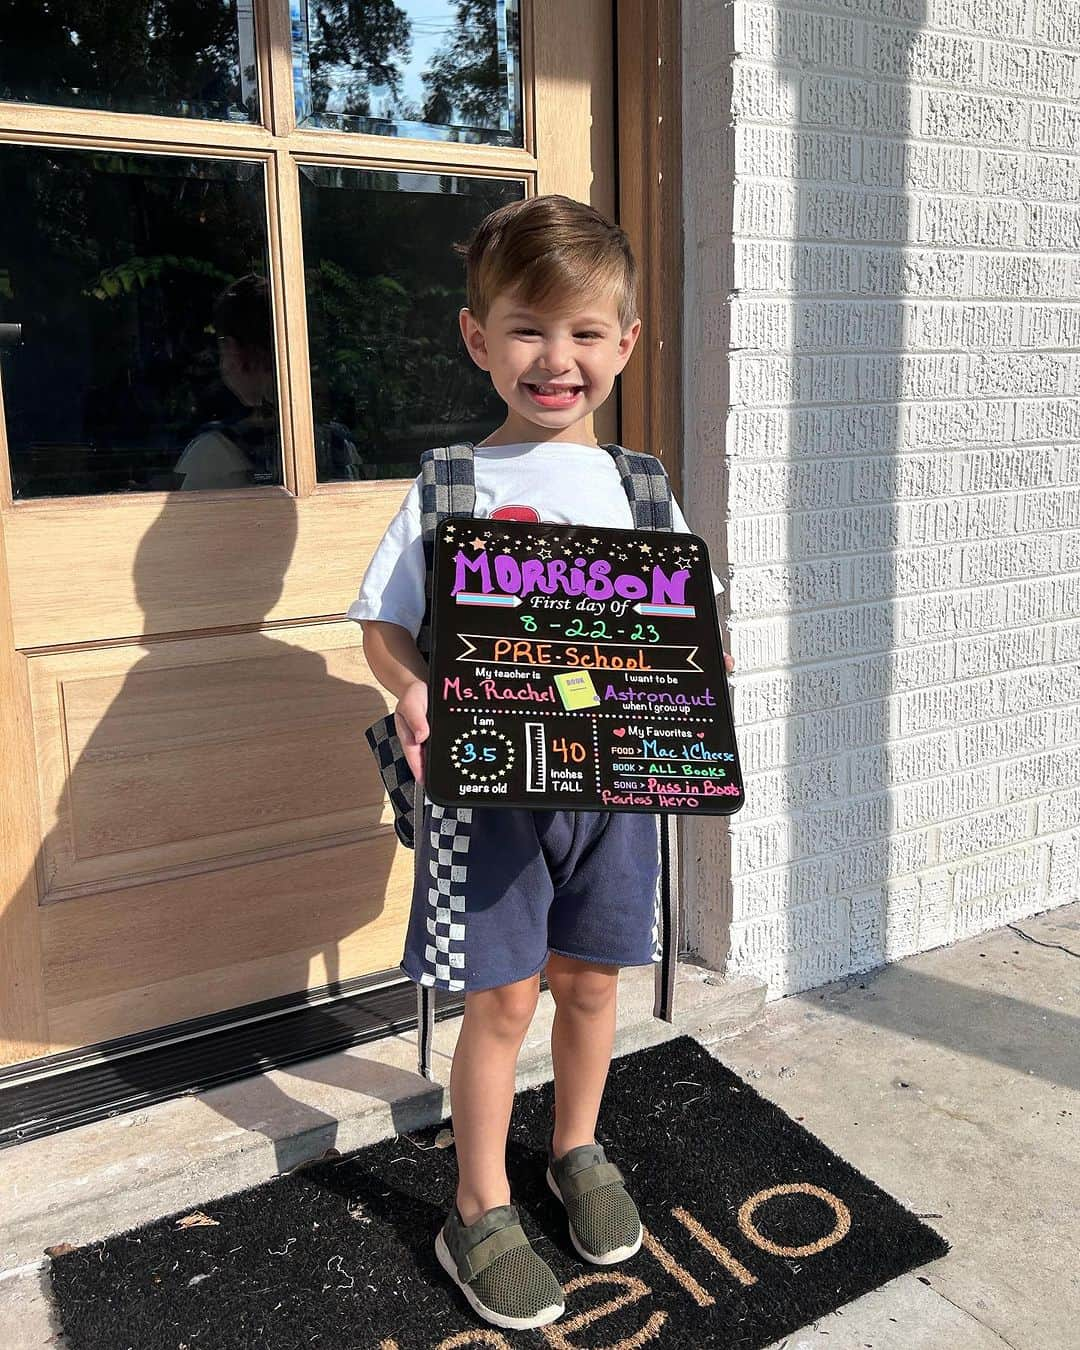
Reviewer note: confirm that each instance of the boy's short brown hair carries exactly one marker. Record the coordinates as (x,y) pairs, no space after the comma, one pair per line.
(549,249)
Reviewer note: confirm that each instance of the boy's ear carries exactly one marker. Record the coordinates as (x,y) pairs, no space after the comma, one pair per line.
(628,341)
(473,335)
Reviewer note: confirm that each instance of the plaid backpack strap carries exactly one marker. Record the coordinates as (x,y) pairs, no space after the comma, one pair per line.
(447,488)
(646,484)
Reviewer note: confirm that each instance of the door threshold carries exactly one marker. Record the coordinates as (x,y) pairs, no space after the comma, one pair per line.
(75,1087)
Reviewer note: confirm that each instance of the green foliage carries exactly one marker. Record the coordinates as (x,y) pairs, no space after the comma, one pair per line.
(142,272)
(383,355)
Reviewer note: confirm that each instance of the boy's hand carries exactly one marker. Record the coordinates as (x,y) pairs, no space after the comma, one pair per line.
(410,721)
(729,662)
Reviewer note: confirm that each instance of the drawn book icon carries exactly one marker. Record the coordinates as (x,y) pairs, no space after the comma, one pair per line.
(577,690)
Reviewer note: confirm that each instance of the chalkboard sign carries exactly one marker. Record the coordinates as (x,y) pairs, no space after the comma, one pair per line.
(577,668)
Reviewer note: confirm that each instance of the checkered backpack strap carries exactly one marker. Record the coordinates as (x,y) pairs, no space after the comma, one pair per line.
(446,489)
(646,484)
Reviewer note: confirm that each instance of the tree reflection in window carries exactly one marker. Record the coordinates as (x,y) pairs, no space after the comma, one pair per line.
(384,286)
(181,58)
(425,68)
(114,265)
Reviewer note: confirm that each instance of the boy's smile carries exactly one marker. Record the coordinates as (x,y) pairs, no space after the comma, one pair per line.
(555,395)
(551,366)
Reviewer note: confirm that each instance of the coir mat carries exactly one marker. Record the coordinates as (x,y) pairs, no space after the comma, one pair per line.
(753,1229)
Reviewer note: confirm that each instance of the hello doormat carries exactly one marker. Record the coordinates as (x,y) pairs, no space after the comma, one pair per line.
(753,1229)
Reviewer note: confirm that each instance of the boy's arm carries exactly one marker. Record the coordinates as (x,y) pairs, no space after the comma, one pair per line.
(395,661)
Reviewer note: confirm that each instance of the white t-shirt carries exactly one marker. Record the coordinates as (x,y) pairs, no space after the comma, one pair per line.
(554,482)
(212,460)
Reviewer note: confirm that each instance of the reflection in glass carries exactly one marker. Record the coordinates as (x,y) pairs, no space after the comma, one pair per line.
(384,287)
(437,69)
(181,58)
(146,342)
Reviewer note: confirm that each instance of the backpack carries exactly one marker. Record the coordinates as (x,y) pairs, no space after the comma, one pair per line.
(447,488)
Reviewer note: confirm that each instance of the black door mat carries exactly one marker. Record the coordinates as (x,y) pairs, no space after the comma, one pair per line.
(754,1229)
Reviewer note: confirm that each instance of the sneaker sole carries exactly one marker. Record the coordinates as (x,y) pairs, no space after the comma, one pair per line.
(609,1258)
(541,1319)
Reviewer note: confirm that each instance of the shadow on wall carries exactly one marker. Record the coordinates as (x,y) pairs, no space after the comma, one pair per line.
(847,277)
(817,334)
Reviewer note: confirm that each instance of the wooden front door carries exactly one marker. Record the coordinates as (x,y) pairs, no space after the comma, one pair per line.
(227,328)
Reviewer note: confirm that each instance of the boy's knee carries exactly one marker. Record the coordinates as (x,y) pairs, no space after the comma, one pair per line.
(507,1010)
(586,991)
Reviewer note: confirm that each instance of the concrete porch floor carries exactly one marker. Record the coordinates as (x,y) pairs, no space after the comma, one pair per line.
(952,1079)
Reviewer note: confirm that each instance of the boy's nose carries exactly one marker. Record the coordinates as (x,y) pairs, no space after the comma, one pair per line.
(556,360)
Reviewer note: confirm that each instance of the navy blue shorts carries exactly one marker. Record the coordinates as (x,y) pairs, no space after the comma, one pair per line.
(497,889)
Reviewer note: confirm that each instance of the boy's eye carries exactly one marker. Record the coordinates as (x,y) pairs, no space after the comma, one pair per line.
(525,332)
(590,335)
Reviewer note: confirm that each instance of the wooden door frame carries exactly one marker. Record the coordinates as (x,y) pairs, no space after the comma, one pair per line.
(648,49)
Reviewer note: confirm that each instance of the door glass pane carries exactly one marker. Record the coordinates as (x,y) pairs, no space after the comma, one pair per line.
(182,58)
(136,347)
(447,70)
(389,373)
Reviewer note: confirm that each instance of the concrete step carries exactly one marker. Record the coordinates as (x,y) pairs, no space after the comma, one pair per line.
(103,1178)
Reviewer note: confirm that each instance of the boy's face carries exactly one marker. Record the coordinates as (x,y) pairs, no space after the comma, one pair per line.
(246,371)
(551,367)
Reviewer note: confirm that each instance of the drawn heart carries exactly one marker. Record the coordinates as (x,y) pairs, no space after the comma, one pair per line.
(701,735)
(618,731)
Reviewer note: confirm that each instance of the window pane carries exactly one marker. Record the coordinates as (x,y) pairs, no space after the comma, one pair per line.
(446,70)
(182,58)
(389,373)
(146,353)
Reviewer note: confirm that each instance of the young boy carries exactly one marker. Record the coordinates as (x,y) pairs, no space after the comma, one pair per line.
(552,318)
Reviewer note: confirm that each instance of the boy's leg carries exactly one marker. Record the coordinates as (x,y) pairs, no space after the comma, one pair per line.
(479,925)
(604,916)
(582,1039)
(605,1226)
(482,1090)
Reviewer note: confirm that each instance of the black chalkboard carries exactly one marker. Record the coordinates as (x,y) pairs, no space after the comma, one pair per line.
(577,668)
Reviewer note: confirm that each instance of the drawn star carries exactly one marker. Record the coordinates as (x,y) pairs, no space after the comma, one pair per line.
(594,541)
(645,548)
(449,530)
(543,552)
(477,542)
(693,548)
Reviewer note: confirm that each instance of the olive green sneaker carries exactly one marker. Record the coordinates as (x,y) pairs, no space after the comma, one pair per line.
(494,1265)
(605,1226)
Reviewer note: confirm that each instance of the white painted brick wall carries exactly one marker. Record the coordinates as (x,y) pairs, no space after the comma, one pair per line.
(883,448)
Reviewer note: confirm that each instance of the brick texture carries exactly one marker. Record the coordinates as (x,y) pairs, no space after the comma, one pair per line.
(883,451)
